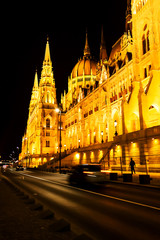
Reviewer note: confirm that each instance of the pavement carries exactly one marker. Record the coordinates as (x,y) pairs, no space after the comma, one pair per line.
(154,179)
(102,212)
(154,182)
(18,220)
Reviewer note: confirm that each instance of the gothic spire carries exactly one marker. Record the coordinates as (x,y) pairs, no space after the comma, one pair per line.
(34,96)
(35,81)
(103,51)
(128,26)
(47,72)
(47,57)
(87,48)
(128,7)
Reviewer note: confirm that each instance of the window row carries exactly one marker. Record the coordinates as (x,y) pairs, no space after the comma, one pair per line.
(47,143)
(140,4)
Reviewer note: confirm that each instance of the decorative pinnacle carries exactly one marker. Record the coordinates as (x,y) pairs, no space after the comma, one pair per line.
(87,48)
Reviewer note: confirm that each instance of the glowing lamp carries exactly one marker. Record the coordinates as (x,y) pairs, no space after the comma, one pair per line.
(57,110)
(115,123)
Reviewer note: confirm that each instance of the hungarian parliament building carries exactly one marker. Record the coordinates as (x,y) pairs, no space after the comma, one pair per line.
(111,110)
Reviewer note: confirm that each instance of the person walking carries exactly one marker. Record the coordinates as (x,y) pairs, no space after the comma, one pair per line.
(132,164)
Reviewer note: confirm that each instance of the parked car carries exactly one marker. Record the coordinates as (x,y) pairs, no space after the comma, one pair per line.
(87,173)
(19,168)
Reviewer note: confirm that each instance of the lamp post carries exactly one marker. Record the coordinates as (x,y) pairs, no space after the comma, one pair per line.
(115,125)
(102,136)
(59,111)
(79,142)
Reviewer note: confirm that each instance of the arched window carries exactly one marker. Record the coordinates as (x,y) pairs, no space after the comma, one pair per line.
(145,40)
(47,143)
(48,123)
(154,115)
(144,44)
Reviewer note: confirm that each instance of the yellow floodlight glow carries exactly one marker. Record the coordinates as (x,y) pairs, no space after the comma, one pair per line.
(57,110)
(77,156)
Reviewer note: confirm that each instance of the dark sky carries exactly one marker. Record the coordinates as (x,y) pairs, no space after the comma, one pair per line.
(23,47)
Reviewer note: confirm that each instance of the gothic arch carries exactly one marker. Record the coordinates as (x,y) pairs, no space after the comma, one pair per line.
(145,38)
(114,112)
(115,122)
(154,115)
(48,121)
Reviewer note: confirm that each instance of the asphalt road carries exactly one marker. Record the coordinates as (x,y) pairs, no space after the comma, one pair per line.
(113,211)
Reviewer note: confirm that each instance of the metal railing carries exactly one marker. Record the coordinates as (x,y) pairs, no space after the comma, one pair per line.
(146,163)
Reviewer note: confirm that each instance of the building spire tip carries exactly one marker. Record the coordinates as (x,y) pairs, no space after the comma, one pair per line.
(47,57)
(87,48)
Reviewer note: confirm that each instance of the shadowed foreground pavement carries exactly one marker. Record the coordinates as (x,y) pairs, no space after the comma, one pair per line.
(18,221)
(104,212)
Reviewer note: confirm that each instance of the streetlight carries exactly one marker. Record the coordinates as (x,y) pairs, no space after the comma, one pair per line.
(102,136)
(59,111)
(115,125)
(79,142)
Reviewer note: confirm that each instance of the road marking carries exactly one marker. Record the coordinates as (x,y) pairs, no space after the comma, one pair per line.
(94,193)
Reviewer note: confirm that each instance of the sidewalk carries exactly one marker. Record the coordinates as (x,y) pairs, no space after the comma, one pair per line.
(18,221)
(154,182)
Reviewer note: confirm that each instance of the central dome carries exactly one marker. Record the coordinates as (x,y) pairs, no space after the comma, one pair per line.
(83,74)
(84,67)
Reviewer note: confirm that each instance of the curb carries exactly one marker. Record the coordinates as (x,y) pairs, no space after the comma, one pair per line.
(60,227)
(37,207)
(47,214)
(135,184)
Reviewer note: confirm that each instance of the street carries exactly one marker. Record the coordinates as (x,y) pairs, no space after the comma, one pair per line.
(105,212)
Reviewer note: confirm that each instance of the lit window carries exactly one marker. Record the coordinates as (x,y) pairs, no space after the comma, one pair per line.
(145,41)
(48,123)
(145,72)
(144,44)
(47,143)
(148,43)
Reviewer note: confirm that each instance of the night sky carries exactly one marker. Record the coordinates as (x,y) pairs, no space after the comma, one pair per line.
(23,47)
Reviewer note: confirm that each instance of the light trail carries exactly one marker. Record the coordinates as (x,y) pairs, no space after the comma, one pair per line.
(94,193)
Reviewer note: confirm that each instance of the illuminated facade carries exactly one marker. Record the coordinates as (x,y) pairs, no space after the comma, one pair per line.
(40,139)
(112,108)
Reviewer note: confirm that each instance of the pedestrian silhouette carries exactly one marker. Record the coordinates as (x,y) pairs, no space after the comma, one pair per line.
(132,164)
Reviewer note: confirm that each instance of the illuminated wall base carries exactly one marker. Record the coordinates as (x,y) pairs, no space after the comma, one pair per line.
(143,146)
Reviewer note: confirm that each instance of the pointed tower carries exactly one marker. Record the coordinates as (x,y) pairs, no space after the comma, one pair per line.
(47,82)
(47,77)
(47,58)
(47,116)
(34,97)
(128,26)
(87,51)
(35,87)
(103,51)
